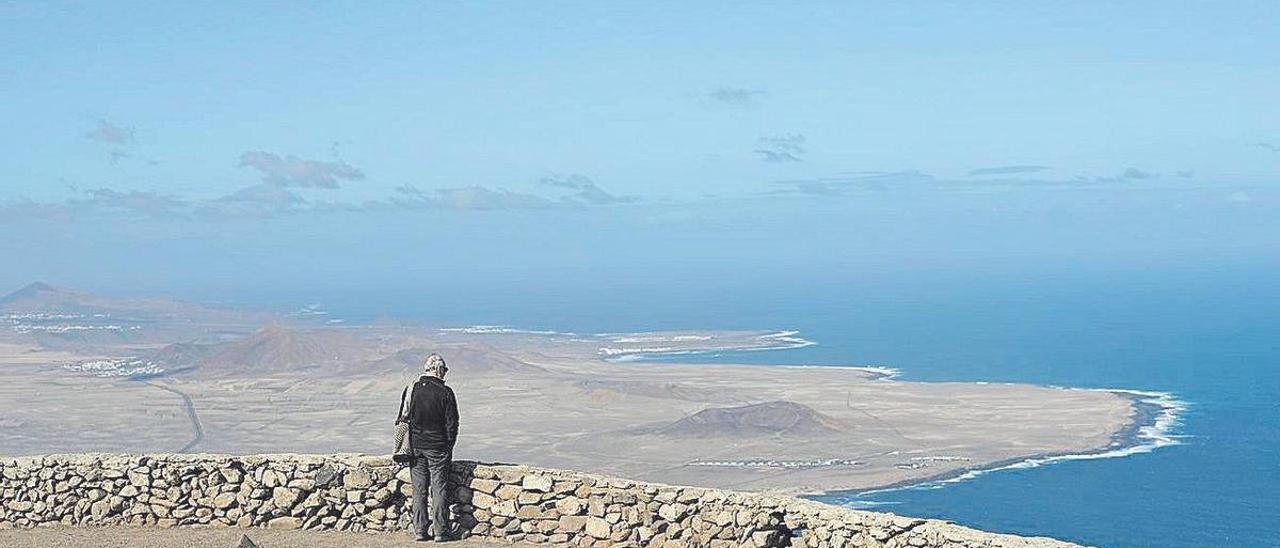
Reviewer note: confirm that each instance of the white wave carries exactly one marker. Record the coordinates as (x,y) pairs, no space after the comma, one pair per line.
(665,350)
(861,504)
(788,339)
(497,330)
(781,340)
(625,358)
(1157,434)
(313,309)
(661,339)
(885,373)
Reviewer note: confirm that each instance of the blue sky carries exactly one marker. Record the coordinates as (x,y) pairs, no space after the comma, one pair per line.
(212,120)
(651,99)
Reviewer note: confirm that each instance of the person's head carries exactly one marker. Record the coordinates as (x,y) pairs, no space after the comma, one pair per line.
(434,366)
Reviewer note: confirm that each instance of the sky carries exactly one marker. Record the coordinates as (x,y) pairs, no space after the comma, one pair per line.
(513,138)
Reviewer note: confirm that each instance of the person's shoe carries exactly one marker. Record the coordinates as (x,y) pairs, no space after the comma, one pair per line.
(422,538)
(443,538)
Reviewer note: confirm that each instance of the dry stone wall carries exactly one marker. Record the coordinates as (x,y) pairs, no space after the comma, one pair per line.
(517,503)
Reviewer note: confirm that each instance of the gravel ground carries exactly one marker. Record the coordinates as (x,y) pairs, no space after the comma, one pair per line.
(190,537)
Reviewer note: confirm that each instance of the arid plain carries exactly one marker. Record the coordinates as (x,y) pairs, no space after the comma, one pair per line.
(79,372)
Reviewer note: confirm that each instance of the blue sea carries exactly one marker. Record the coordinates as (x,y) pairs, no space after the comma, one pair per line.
(1208,336)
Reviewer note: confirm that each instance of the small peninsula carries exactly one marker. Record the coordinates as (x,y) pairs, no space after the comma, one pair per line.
(169,376)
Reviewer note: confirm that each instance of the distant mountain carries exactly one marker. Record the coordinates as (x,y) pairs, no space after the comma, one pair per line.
(762,419)
(462,359)
(42,298)
(32,291)
(277,347)
(77,321)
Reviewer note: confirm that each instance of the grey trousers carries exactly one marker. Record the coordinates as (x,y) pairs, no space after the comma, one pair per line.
(431,468)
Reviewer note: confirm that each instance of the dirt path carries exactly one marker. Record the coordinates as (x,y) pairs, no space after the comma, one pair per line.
(191,537)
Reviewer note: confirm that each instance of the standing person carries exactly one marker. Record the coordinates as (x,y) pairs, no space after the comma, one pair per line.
(432,414)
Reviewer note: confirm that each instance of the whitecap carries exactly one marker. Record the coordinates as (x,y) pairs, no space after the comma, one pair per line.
(1149,437)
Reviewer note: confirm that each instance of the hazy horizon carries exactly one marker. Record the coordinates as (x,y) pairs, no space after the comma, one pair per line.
(252,147)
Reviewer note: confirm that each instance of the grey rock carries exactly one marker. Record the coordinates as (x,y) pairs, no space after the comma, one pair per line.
(325,476)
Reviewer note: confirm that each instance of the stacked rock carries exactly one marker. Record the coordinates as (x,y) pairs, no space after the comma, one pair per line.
(516,503)
(520,503)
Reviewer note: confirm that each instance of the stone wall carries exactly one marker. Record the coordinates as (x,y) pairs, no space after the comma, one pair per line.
(518,503)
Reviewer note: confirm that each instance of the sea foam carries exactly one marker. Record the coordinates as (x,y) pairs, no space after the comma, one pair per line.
(1147,438)
(778,340)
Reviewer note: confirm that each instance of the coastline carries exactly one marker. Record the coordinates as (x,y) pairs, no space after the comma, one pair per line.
(1155,415)
(1149,427)
(1117,423)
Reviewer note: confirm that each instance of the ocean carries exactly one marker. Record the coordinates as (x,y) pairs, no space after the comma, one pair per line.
(1205,337)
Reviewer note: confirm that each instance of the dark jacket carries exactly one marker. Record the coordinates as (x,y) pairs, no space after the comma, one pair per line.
(432,415)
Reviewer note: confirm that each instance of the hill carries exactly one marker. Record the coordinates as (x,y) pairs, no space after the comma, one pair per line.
(32,291)
(277,347)
(762,419)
